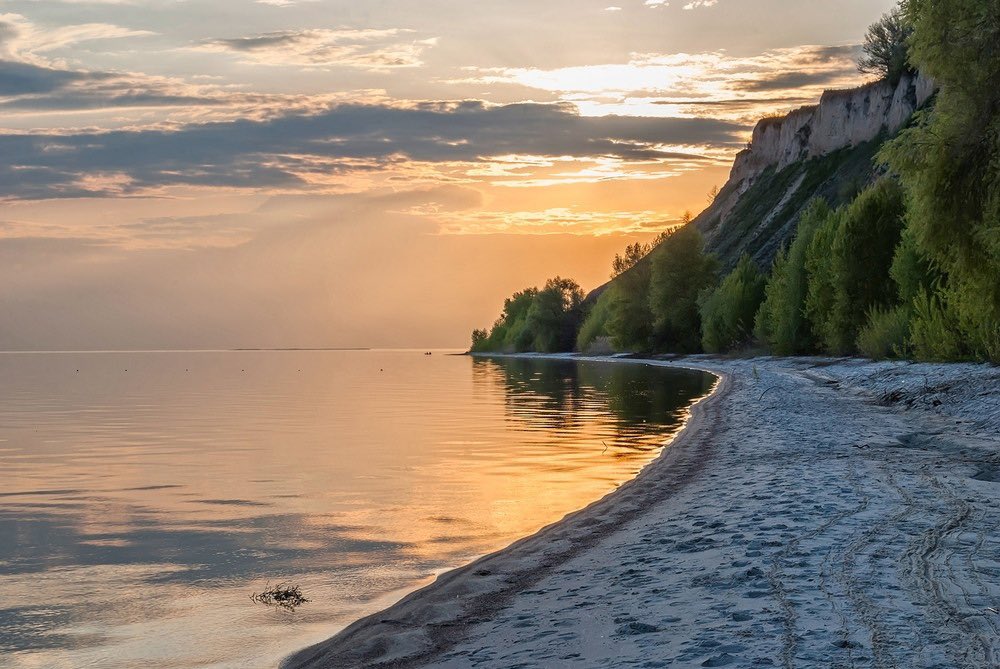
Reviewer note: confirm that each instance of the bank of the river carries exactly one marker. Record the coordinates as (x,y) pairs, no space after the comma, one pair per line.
(812,513)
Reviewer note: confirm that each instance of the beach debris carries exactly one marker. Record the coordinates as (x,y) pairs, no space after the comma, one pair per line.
(282,596)
(634,628)
(766,391)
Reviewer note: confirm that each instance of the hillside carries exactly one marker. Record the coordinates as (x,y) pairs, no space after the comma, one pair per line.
(812,246)
(824,150)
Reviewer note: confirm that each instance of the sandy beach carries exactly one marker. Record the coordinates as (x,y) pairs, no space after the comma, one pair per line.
(812,513)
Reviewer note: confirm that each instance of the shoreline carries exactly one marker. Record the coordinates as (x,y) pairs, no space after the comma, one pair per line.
(759,518)
(398,636)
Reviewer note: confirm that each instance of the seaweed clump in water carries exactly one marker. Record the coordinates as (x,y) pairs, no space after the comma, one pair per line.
(282,596)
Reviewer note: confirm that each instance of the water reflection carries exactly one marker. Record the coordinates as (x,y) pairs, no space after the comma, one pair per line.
(139,509)
(634,399)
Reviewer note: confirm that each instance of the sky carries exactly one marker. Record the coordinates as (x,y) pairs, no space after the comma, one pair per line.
(373,173)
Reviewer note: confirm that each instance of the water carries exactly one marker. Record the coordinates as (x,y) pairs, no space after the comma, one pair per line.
(145,496)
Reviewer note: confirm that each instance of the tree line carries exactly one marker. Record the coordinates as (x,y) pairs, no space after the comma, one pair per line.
(909,269)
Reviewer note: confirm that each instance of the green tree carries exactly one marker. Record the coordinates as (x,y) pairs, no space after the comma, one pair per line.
(680,271)
(630,322)
(727,313)
(949,164)
(629,258)
(911,271)
(555,315)
(509,333)
(821,291)
(885,51)
(848,265)
(781,323)
(480,340)
(863,252)
(595,325)
(513,332)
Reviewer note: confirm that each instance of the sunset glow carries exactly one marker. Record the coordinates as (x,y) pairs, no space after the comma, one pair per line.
(299,154)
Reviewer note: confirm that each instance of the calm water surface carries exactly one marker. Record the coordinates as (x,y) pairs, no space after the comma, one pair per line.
(145,496)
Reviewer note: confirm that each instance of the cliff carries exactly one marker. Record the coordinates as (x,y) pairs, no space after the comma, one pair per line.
(824,150)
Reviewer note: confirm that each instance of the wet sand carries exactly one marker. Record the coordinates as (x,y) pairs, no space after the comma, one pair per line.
(816,513)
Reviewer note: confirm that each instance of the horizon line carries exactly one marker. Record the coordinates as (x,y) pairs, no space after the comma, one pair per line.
(288,349)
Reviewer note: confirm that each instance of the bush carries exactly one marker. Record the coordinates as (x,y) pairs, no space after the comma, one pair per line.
(727,313)
(934,331)
(886,334)
(981,336)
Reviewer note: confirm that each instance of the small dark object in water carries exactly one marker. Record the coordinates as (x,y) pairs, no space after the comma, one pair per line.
(282,596)
(428,353)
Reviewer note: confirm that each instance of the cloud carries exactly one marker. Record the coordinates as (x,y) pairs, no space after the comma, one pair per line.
(639,85)
(24,78)
(695,4)
(366,49)
(552,221)
(31,81)
(29,88)
(22,40)
(784,81)
(293,151)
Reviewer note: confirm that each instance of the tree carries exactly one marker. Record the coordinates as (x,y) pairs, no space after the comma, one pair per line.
(630,323)
(863,252)
(885,49)
(849,263)
(627,313)
(513,325)
(624,262)
(681,270)
(595,325)
(727,313)
(634,253)
(509,332)
(554,316)
(949,164)
(781,323)
(480,339)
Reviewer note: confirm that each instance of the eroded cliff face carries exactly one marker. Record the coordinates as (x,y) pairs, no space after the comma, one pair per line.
(823,150)
(841,119)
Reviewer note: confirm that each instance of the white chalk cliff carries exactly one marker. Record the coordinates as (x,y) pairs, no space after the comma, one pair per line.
(758,209)
(841,119)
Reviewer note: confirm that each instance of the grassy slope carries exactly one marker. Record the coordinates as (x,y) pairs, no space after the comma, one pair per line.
(766,215)
(836,177)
